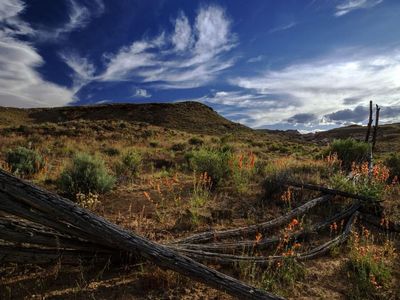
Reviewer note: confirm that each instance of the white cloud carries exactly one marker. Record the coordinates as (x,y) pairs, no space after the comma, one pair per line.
(20,84)
(190,57)
(283,27)
(347,6)
(182,37)
(255,59)
(83,69)
(142,93)
(320,87)
(10,22)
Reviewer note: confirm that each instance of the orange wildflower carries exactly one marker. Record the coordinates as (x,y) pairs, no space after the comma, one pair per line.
(147,195)
(258,237)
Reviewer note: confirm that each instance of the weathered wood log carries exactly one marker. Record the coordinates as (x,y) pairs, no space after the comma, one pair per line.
(19,232)
(9,205)
(228,259)
(269,242)
(369,122)
(14,254)
(329,191)
(61,209)
(253,229)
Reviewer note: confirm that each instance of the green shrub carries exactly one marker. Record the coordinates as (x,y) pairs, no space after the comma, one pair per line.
(277,278)
(243,170)
(393,163)
(349,151)
(111,151)
(214,162)
(370,269)
(362,183)
(86,174)
(153,144)
(24,161)
(130,165)
(178,147)
(196,141)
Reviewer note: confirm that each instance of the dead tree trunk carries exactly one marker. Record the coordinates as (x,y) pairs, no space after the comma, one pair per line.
(375,127)
(369,122)
(69,214)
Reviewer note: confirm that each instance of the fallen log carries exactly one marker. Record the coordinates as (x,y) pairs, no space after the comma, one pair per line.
(9,205)
(67,212)
(22,255)
(253,229)
(268,242)
(228,259)
(18,232)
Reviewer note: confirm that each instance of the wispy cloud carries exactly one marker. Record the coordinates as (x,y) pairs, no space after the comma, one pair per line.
(255,59)
(20,84)
(83,69)
(79,16)
(320,87)
(190,56)
(348,6)
(182,38)
(10,22)
(283,27)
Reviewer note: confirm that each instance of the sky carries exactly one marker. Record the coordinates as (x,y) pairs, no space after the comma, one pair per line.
(296,64)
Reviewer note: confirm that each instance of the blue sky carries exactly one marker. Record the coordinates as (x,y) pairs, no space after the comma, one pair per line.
(305,64)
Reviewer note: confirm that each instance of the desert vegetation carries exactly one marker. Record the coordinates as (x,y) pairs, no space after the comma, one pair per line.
(170,184)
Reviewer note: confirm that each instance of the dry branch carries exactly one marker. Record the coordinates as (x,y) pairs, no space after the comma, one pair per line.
(253,229)
(268,242)
(227,259)
(67,213)
(329,191)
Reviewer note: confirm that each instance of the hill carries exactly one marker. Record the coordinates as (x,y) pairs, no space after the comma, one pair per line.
(388,137)
(187,116)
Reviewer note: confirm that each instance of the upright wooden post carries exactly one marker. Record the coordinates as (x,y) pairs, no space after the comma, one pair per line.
(369,122)
(375,127)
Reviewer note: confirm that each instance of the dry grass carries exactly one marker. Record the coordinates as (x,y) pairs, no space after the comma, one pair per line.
(167,201)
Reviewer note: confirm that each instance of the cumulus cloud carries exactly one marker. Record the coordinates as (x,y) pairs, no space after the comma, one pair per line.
(348,6)
(142,93)
(20,84)
(248,107)
(302,118)
(189,57)
(323,86)
(359,114)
